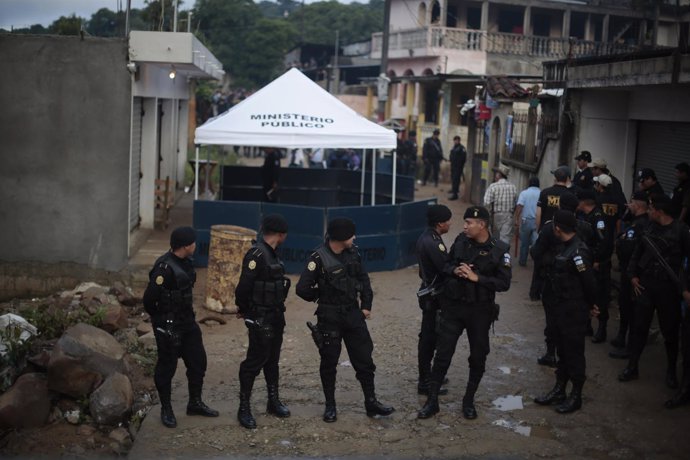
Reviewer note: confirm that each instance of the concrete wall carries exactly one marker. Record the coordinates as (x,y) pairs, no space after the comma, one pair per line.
(65,128)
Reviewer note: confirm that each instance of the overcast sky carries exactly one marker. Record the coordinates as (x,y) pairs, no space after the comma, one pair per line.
(24,13)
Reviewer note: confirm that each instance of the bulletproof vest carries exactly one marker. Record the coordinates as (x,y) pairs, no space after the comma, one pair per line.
(669,242)
(338,281)
(485,258)
(269,288)
(181,298)
(564,278)
(626,241)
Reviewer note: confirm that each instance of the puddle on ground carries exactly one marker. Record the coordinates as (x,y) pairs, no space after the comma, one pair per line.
(524,430)
(504,369)
(510,402)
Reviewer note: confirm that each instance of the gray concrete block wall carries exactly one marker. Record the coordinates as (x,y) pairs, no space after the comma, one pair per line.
(64,150)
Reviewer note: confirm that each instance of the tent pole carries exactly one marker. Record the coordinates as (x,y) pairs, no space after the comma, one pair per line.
(373,176)
(196,175)
(207,171)
(395,174)
(361,187)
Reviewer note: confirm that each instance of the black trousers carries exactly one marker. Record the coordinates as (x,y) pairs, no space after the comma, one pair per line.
(474,318)
(349,326)
(455,174)
(663,297)
(570,326)
(685,343)
(190,349)
(263,353)
(537,285)
(431,168)
(426,347)
(625,303)
(603,276)
(550,302)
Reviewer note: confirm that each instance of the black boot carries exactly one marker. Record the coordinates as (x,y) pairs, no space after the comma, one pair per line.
(619,353)
(468,409)
(682,397)
(423,387)
(600,335)
(431,405)
(549,358)
(244,413)
(574,400)
(196,406)
(167,414)
(619,340)
(274,406)
(671,360)
(330,413)
(589,331)
(374,407)
(555,396)
(628,374)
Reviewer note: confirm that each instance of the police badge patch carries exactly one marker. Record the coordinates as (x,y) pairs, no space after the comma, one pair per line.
(311,266)
(159,280)
(506,260)
(441,247)
(600,225)
(252,264)
(579,264)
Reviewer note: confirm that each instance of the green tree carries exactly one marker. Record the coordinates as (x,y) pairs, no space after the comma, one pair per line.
(66,25)
(158,14)
(106,23)
(267,42)
(317,22)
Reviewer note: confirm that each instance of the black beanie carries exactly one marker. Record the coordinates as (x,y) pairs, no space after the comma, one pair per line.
(437,213)
(477,212)
(341,229)
(181,237)
(274,223)
(565,220)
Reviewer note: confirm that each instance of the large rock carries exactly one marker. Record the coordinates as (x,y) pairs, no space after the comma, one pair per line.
(112,401)
(115,318)
(82,358)
(26,404)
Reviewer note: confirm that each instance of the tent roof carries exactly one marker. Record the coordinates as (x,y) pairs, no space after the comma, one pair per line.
(292,111)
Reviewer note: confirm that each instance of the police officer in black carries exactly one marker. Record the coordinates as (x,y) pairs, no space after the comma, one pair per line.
(544,252)
(574,288)
(479,266)
(601,245)
(335,278)
(653,272)
(682,397)
(625,245)
(260,297)
(168,300)
(432,257)
(649,183)
(583,176)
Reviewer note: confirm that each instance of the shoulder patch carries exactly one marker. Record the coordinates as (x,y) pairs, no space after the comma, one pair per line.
(601,225)
(506,259)
(441,247)
(252,264)
(579,263)
(311,266)
(159,280)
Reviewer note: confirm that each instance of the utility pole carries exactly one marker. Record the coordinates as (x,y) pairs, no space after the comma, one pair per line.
(383,74)
(336,71)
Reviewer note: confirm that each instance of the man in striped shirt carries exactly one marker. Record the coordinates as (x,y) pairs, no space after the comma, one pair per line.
(500,200)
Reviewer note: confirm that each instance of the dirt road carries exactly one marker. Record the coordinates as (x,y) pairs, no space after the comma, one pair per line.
(617,420)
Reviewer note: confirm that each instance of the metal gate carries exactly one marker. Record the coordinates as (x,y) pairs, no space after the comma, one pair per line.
(661,146)
(135,169)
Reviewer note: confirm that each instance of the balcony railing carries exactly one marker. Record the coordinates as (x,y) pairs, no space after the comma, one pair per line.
(494,42)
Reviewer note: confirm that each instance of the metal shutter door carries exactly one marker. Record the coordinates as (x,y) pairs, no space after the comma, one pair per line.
(135,172)
(661,146)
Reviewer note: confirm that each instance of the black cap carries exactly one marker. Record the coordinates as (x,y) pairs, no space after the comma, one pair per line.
(565,220)
(341,229)
(562,173)
(436,131)
(533,181)
(437,213)
(586,194)
(568,202)
(645,173)
(477,212)
(181,237)
(274,223)
(584,155)
(661,202)
(640,196)
(683,167)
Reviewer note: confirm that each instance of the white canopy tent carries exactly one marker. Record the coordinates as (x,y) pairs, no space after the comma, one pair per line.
(294,112)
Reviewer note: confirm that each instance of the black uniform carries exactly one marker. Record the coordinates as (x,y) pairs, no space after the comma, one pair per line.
(432,154)
(583,179)
(260,297)
(168,299)
(341,287)
(680,199)
(545,250)
(655,189)
(470,306)
(660,292)
(458,156)
(601,245)
(432,257)
(270,173)
(625,245)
